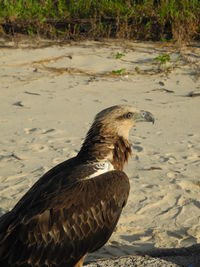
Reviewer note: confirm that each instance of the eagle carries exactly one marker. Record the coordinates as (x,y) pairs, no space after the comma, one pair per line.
(73,209)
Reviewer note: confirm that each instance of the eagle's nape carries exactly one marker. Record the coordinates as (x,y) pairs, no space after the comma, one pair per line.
(73,209)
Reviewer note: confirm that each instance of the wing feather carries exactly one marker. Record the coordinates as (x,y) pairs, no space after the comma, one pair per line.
(62,226)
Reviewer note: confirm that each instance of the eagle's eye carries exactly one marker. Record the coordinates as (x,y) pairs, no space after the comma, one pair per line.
(129,115)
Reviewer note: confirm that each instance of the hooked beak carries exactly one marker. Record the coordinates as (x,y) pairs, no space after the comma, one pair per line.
(145,116)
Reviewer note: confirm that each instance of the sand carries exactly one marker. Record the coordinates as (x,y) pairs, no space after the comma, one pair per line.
(49,96)
(133,261)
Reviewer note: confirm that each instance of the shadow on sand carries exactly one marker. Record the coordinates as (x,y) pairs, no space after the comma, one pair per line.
(184,257)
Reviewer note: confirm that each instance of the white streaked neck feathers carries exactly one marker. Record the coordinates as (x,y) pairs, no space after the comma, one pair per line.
(100,168)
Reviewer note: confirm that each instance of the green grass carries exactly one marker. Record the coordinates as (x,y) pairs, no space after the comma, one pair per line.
(163,59)
(119,55)
(119,72)
(129,19)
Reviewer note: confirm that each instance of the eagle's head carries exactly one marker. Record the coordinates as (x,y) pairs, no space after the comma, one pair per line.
(107,138)
(120,119)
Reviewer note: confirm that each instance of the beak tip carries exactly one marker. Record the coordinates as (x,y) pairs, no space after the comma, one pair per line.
(149,117)
(146,116)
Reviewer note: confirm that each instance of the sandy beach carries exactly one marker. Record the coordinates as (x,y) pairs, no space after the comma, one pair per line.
(49,96)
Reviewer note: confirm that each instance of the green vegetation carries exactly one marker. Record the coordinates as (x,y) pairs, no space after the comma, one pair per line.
(163,59)
(119,55)
(119,72)
(130,19)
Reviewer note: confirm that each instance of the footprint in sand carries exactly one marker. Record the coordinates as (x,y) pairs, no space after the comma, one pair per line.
(188,241)
(40,169)
(163,159)
(18,104)
(30,130)
(137,148)
(39,147)
(172,174)
(189,185)
(193,157)
(48,131)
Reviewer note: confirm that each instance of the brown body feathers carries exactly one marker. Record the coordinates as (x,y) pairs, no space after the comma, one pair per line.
(73,208)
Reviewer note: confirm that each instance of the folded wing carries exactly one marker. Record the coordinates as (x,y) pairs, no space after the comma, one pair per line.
(64,223)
